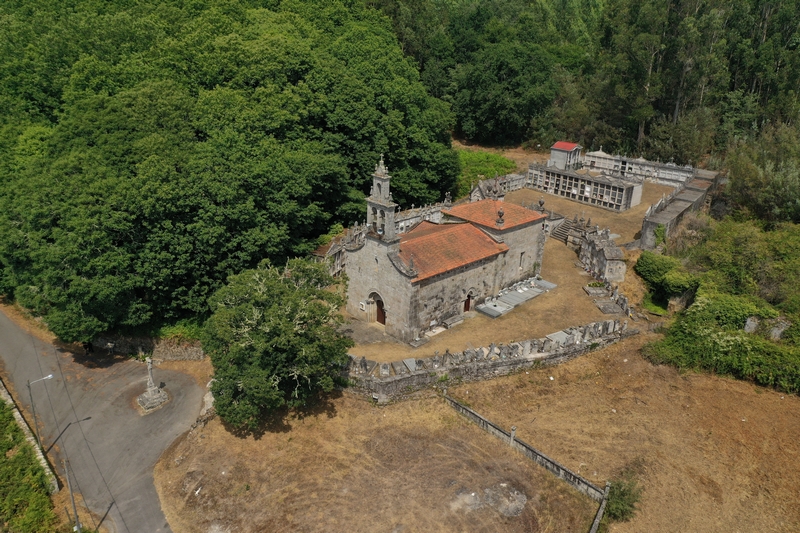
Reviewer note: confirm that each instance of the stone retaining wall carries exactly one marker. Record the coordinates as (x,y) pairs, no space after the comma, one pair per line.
(161,349)
(401,377)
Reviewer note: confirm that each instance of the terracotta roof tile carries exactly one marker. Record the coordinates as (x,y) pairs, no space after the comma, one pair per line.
(484,213)
(563,145)
(437,249)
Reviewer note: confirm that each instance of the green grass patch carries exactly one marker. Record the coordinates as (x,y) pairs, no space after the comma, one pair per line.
(654,307)
(25,505)
(187,329)
(477,164)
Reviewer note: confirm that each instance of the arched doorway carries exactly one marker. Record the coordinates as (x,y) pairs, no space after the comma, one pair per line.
(380,310)
(468,304)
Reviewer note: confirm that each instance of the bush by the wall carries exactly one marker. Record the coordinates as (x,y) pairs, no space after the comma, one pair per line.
(623,496)
(664,276)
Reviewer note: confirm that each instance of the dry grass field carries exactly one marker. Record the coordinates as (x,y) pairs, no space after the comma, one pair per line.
(348,466)
(713,455)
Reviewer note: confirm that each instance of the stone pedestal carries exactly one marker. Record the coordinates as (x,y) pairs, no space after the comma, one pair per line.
(154,397)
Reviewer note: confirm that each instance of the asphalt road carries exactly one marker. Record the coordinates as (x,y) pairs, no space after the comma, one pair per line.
(88,415)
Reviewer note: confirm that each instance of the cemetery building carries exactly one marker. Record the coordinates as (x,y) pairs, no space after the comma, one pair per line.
(431,273)
(639,168)
(563,176)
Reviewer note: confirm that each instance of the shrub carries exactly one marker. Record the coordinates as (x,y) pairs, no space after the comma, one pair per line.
(623,496)
(652,267)
(677,281)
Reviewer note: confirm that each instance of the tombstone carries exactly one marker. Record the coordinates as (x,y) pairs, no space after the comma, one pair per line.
(492,349)
(624,326)
(516,349)
(362,365)
(420,364)
(384,371)
(546,347)
(526,348)
(399,368)
(570,340)
(615,295)
(505,352)
(535,346)
(469,355)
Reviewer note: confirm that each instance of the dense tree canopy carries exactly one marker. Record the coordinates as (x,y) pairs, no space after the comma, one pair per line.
(666,79)
(150,149)
(765,175)
(272,340)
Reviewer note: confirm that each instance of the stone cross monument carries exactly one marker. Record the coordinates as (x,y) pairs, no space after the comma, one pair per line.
(153,397)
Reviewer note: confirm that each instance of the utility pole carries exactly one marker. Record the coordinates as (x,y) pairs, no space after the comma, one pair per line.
(72,497)
(33,408)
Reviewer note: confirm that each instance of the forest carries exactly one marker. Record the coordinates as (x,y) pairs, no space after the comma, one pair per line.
(665,79)
(149,150)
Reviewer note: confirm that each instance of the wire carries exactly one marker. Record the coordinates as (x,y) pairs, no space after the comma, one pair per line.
(88,446)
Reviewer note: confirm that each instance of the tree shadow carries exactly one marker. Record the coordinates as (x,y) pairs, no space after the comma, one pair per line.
(279,421)
(91,357)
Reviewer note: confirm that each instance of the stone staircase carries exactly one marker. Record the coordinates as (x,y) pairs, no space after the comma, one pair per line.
(561,233)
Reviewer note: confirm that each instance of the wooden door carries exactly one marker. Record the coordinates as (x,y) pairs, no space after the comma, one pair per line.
(380,314)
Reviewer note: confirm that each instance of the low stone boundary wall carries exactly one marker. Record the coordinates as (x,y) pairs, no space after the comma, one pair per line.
(52,481)
(401,377)
(579,483)
(161,349)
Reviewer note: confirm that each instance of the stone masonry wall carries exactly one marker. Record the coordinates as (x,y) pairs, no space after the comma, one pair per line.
(401,377)
(161,349)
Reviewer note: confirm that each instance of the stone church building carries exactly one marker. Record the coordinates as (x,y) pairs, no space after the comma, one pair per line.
(434,272)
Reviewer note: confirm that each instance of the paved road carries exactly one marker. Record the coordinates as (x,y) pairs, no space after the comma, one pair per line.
(111,447)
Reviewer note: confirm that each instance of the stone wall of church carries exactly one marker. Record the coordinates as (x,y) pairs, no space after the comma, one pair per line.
(369,271)
(524,257)
(442,297)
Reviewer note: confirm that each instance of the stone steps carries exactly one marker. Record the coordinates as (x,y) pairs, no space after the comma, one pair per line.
(561,233)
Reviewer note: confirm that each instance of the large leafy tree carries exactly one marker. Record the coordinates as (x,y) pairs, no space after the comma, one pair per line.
(149,150)
(273,341)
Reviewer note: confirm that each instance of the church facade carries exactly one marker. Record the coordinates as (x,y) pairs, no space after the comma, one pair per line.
(434,272)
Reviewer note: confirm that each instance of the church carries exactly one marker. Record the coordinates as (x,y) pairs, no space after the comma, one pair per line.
(415,278)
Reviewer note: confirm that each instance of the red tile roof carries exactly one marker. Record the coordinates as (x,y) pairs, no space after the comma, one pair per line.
(484,213)
(564,145)
(437,249)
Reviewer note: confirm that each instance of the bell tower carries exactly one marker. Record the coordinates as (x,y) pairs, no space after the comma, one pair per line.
(380,206)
